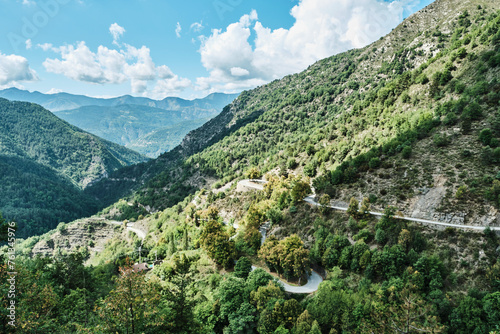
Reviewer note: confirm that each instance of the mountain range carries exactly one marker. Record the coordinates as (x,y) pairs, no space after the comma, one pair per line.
(147,126)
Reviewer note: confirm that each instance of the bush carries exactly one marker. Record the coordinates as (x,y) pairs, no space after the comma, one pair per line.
(461,53)
(450,119)
(291,163)
(459,87)
(485,136)
(461,192)
(406,152)
(310,150)
(374,163)
(441,140)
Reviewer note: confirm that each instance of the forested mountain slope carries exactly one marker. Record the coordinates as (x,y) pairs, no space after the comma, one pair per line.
(45,164)
(433,77)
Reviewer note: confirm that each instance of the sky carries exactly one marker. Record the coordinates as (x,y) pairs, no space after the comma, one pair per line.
(191,48)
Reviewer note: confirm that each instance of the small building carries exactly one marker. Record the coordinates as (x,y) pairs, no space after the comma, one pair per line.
(138,267)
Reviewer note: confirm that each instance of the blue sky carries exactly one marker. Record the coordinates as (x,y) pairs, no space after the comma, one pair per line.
(160,48)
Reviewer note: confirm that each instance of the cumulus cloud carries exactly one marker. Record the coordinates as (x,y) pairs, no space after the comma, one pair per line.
(116,31)
(178,30)
(15,69)
(29,44)
(110,66)
(321,29)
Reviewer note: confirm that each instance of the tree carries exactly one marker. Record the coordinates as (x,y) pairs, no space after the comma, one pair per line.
(231,294)
(288,256)
(304,323)
(243,320)
(406,152)
(324,201)
(352,210)
(243,267)
(300,189)
(265,294)
(468,316)
(364,210)
(491,307)
(179,292)
(131,306)
(254,173)
(257,278)
(217,244)
(315,329)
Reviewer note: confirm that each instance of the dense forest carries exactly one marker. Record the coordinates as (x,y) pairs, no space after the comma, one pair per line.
(45,163)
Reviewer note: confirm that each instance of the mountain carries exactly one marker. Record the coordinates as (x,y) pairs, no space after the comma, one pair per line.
(431,76)
(65,101)
(409,123)
(46,163)
(148,126)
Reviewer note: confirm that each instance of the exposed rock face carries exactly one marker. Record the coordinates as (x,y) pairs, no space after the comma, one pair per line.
(425,206)
(92,233)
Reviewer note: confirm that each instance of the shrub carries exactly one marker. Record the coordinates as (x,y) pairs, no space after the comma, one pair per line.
(441,140)
(450,119)
(462,53)
(291,163)
(461,192)
(485,136)
(459,87)
(406,152)
(374,163)
(310,169)
(310,150)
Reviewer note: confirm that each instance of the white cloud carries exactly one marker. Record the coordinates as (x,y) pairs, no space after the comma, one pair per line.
(170,86)
(15,69)
(29,44)
(239,72)
(45,46)
(54,91)
(110,66)
(197,26)
(178,30)
(321,29)
(116,31)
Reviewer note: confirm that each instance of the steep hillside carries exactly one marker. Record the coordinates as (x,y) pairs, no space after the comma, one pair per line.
(432,74)
(46,163)
(37,197)
(30,131)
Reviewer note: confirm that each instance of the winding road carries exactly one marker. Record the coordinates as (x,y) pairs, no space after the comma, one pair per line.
(130,227)
(311,200)
(313,280)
